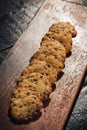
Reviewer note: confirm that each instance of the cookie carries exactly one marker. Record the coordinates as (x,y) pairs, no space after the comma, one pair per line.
(43,68)
(55,48)
(48,50)
(25,103)
(64,38)
(51,59)
(37,81)
(63,27)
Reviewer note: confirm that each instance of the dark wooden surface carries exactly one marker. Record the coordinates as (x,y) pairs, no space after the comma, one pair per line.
(55,115)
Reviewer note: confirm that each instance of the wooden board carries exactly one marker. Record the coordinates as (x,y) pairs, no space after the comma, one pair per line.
(55,115)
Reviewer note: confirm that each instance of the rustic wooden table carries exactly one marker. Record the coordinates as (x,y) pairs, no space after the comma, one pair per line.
(55,115)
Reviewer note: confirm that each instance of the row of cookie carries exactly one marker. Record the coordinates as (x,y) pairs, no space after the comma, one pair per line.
(36,80)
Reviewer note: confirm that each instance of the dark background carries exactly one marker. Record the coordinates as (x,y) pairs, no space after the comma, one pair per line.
(15,16)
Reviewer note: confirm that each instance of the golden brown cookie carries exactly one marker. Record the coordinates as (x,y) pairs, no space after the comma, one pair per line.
(64,38)
(49,58)
(63,27)
(38,82)
(25,103)
(55,48)
(48,50)
(43,68)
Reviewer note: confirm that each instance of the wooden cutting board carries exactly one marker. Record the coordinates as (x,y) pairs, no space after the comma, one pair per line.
(55,115)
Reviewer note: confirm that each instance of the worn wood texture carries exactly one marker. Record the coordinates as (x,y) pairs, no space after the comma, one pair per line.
(54,116)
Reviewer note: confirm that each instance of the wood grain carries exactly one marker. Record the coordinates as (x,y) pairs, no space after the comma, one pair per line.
(55,115)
